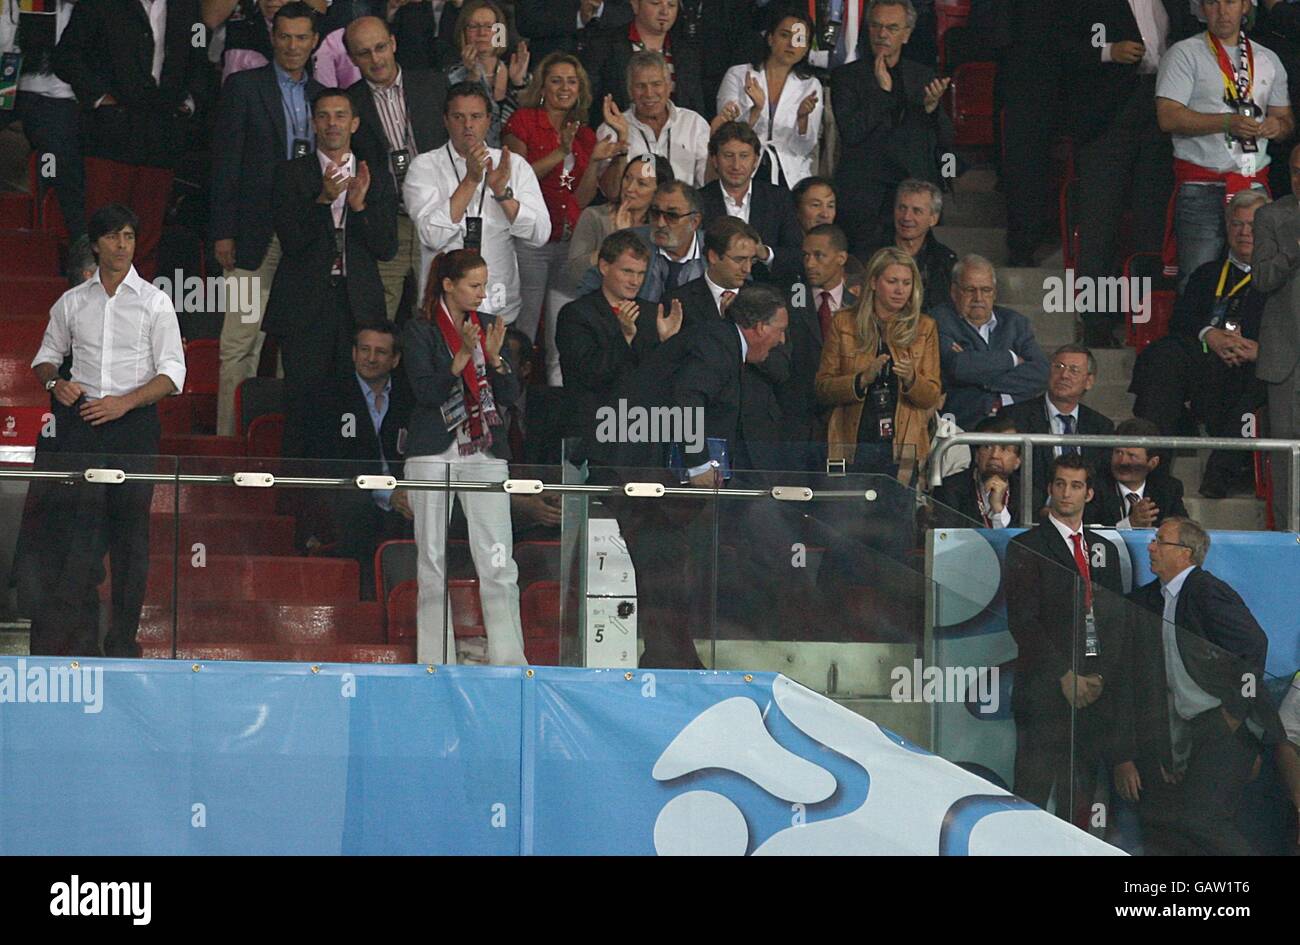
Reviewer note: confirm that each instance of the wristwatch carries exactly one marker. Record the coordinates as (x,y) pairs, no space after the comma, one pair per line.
(52,383)
(507,194)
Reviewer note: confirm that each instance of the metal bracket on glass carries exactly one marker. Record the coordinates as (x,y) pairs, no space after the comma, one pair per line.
(650,490)
(792,493)
(376,482)
(109,476)
(836,467)
(524,486)
(254,480)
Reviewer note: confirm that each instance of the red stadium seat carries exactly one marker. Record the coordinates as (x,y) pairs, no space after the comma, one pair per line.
(223,533)
(204,498)
(202,365)
(17,211)
(539,609)
(193,444)
(970,102)
(28,253)
(256,397)
(226,622)
(284,652)
(282,579)
(266,436)
(467,613)
(30,297)
(948,13)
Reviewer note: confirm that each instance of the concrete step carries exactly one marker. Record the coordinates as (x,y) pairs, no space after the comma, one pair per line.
(1024,287)
(988,241)
(1051,329)
(974,208)
(1235,513)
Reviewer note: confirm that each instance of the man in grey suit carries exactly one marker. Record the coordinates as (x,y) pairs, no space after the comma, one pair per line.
(1276,271)
(263,118)
(401,117)
(989,356)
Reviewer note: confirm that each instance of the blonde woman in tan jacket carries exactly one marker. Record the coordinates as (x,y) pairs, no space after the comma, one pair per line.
(880,371)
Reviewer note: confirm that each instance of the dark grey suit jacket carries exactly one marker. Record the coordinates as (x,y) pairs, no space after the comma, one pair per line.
(426,93)
(253,138)
(1275,265)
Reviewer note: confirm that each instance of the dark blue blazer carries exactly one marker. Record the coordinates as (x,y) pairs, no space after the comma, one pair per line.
(975,376)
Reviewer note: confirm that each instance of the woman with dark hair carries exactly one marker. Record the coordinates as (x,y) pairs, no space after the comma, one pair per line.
(642,175)
(462,385)
(781,99)
(549,132)
(483,34)
(880,371)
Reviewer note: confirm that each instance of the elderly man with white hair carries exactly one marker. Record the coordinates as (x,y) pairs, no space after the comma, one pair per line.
(988,353)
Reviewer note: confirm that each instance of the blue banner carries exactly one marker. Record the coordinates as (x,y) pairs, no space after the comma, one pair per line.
(154,757)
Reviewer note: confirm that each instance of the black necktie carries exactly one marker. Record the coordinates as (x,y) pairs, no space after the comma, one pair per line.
(674,274)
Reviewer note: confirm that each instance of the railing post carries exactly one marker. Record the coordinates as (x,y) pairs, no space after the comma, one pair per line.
(1027,509)
(1293,487)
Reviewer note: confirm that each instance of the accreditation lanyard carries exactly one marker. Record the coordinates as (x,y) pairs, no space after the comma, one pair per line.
(650,145)
(451,159)
(1223,280)
(1237,83)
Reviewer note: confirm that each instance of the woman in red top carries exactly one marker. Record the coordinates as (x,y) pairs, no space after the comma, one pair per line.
(549,131)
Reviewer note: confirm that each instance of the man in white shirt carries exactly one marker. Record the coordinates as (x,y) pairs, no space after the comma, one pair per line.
(127,355)
(1217,145)
(466,194)
(140,78)
(654,125)
(46,106)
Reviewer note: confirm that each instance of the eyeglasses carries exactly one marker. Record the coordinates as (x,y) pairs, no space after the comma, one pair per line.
(1069,370)
(976,290)
(893,29)
(1176,544)
(672,216)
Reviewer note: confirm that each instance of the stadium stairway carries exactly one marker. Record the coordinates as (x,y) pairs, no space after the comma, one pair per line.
(974,221)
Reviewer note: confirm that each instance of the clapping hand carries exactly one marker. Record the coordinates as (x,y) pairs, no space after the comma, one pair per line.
(498,175)
(627,313)
(883,78)
(567,134)
(754,91)
(493,339)
(358,187)
(333,182)
(905,371)
(477,161)
(607,148)
(668,325)
(519,64)
(614,118)
(934,92)
(469,336)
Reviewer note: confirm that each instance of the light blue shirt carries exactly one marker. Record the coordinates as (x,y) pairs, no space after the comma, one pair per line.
(297,113)
(382,497)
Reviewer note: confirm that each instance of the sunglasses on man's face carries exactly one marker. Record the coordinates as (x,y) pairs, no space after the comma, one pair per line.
(672,216)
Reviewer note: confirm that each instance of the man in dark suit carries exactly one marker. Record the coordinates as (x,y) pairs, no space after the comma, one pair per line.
(767,207)
(989,355)
(605,336)
(1069,634)
(917,206)
(401,117)
(1072,370)
(1129,493)
(607,53)
(983,492)
(334,219)
(813,301)
(140,79)
(730,246)
(371,413)
(1112,89)
(890,124)
(255,136)
(1188,723)
(567,25)
(1207,361)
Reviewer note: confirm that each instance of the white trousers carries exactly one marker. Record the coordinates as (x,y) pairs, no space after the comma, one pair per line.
(491,543)
(541,273)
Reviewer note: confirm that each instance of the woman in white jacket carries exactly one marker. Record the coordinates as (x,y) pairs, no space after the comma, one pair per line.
(782,99)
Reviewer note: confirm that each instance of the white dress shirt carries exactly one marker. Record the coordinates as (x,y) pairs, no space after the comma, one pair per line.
(717,292)
(1153,24)
(156,11)
(430,182)
(1066,532)
(119,343)
(684,141)
(797,153)
(1057,426)
(1124,493)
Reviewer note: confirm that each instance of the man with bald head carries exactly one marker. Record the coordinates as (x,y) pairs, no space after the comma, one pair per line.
(989,356)
(401,117)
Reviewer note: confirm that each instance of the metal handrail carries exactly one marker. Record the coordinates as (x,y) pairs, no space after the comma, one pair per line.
(1029,440)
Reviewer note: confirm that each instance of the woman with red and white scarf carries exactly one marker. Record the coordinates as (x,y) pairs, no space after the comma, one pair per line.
(462,386)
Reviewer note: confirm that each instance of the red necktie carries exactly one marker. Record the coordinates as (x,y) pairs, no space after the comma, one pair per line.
(1081,562)
(824,313)
(724,301)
